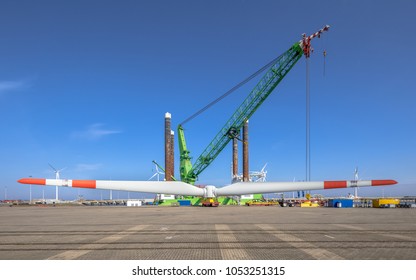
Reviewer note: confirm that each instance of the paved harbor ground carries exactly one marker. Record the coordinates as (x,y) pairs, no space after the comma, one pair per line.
(189,233)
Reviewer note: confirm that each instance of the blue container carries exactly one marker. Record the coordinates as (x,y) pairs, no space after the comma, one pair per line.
(340,203)
(184,202)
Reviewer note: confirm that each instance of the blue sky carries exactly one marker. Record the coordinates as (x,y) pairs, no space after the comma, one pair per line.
(85,85)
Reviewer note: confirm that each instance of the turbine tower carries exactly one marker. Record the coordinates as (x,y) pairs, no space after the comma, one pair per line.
(356,179)
(57,173)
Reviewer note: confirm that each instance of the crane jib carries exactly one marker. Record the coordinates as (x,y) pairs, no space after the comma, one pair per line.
(256,97)
(253,101)
(283,64)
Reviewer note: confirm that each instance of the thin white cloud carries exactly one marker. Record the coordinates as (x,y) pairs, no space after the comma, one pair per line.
(94,132)
(8,86)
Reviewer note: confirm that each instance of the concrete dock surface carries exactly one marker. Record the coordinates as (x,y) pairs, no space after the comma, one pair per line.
(198,233)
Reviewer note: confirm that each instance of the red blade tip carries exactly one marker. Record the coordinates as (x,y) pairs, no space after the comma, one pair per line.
(383,182)
(32,181)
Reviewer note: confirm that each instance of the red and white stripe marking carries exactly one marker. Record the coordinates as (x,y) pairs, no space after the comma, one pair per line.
(305,43)
(89,184)
(165,187)
(272,187)
(352,184)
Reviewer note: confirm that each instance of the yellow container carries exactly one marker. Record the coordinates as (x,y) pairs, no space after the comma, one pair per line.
(381,202)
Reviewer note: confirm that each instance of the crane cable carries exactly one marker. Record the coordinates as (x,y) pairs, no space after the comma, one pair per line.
(252,76)
(308,123)
(324,53)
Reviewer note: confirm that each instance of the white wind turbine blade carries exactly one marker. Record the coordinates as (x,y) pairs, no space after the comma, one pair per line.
(152,177)
(264,167)
(61,169)
(356,174)
(54,169)
(58,173)
(242,188)
(181,188)
(158,172)
(165,187)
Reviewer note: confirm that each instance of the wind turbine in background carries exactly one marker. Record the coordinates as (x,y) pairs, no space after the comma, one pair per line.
(258,176)
(356,179)
(158,172)
(160,196)
(57,177)
(254,176)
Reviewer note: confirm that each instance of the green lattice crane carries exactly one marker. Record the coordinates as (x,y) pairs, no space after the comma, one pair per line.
(189,173)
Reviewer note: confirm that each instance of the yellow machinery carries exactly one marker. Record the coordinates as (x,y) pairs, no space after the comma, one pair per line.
(386,202)
(309,204)
(258,202)
(210,202)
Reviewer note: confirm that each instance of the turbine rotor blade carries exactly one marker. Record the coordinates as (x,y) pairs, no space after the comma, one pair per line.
(165,187)
(242,188)
(152,177)
(52,167)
